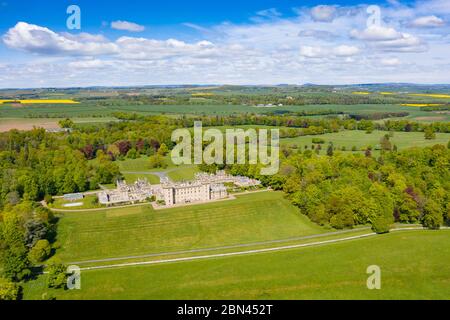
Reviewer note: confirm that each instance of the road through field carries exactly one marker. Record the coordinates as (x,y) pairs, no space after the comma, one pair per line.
(244,245)
(237,253)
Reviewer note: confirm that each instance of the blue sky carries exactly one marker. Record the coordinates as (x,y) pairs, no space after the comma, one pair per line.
(234,42)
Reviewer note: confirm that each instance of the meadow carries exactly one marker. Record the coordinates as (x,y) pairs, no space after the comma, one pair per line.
(142,230)
(361,140)
(413,266)
(96,110)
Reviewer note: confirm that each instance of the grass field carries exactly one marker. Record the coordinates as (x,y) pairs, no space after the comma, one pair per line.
(132,177)
(90,109)
(184,173)
(7,124)
(360,139)
(142,230)
(413,266)
(132,169)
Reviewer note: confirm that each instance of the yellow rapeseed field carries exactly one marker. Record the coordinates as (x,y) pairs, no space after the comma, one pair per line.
(444,96)
(421,105)
(360,92)
(202,94)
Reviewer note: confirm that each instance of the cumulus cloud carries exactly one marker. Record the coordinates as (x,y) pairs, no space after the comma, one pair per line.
(389,39)
(428,22)
(127,26)
(323,13)
(149,49)
(320,44)
(36,39)
(376,33)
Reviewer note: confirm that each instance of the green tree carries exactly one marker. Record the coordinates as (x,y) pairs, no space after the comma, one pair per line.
(433,215)
(9,290)
(429,133)
(157,161)
(40,252)
(163,150)
(66,123)
(15,261)
(330,150)
(57,277)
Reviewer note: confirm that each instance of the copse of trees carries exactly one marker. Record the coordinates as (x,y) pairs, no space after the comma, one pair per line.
(345,190)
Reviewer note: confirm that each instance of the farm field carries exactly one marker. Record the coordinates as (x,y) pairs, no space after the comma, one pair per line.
(7,124)
(141,230)
(91,109)
(413,266)
(361,139)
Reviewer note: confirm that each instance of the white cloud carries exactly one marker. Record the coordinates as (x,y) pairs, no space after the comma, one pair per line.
(389,39)
(127,26)
(428,22)
(346,51)
(390,62)
(376,33)
(328,52)
(333,47)
(33,38)
(313,52)
(323,13)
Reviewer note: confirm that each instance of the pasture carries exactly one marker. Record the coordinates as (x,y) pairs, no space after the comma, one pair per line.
(413,266)
(84,109)
(361,140)
(141,230)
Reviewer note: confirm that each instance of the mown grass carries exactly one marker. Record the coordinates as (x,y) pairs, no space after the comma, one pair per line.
(132,177)
(184,173)
(414,265)
(142,230)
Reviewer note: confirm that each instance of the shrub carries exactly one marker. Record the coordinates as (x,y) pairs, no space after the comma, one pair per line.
(40,252)
(381,225)
(318,141)
(9,290)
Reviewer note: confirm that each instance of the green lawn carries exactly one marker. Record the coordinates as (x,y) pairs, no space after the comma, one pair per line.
(142,164)
(184,173)
(89,202)
(414,265)
(142,230)
(360,139)
(132,177)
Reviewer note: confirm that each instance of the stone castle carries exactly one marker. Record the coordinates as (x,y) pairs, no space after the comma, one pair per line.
(205,187)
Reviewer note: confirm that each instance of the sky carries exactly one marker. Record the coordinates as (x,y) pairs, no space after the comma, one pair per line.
(46,43)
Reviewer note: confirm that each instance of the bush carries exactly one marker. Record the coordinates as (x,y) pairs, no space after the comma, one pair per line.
(318,141)
(381,225)
(57,277)
(9,290)
(40,252)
